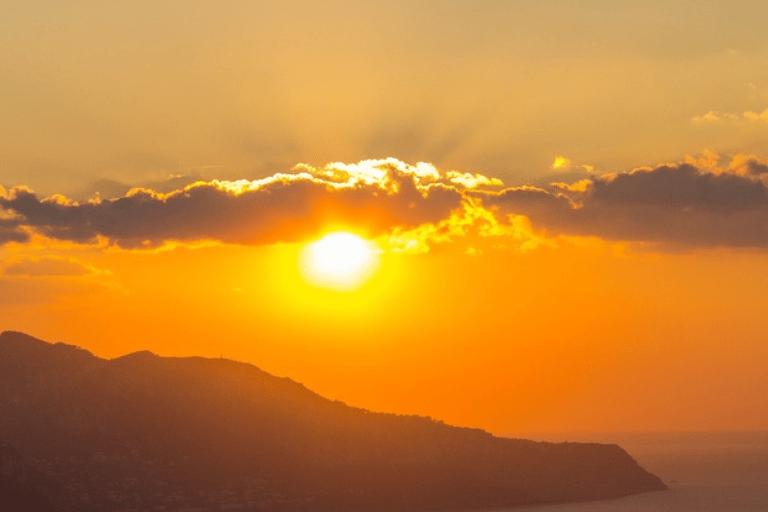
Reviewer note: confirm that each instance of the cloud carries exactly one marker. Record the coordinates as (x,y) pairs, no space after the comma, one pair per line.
(717,117)
(561,163)
(756,167)
(469,180)
(110,189)
(11,231)
(697,202)
(478,227)
(49,267)
(678,188)
(673,204)
(580,186)
(371,195)
(755,116)
(10,225)
(709,117)
(708,160)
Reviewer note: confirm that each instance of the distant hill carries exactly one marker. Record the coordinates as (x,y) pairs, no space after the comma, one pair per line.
(143,432)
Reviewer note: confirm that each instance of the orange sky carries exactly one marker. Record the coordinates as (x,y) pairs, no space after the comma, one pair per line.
(570,204)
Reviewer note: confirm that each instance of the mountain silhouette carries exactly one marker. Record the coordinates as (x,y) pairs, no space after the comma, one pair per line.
(143,432)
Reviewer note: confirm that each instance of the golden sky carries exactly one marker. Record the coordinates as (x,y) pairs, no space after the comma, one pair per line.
(567,203)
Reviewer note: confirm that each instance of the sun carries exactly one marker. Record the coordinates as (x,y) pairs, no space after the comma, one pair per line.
(339,261)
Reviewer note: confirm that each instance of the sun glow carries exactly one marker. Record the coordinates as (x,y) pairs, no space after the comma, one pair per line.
(339,261)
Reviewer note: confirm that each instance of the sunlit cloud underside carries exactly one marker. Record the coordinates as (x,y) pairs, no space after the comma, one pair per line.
(698,202)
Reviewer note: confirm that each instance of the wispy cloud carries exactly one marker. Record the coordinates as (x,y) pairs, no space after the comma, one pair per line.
(50,267)
(755,116)
(718,117)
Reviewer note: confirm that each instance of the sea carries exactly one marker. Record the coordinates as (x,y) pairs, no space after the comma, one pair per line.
(705,471)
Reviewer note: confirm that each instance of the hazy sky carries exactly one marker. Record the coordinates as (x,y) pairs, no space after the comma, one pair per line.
(137,91)
(570,198)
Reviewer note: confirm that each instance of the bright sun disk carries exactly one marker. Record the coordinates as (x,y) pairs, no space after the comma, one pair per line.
(339,261)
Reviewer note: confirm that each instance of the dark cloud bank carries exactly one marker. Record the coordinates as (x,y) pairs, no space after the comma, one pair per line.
(281,208)
(670,204)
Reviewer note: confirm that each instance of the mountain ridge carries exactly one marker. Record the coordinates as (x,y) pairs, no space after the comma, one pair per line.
(179,432)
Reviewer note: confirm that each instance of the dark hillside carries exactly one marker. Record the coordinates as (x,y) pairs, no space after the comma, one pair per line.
(143,431)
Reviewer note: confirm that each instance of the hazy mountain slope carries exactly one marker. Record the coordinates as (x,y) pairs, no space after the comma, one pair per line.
(21,488)
(143,431)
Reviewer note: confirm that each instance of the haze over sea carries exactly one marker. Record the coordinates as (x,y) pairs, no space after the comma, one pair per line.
(705,471)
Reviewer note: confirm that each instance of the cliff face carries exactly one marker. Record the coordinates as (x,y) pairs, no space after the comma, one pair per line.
(143,431)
